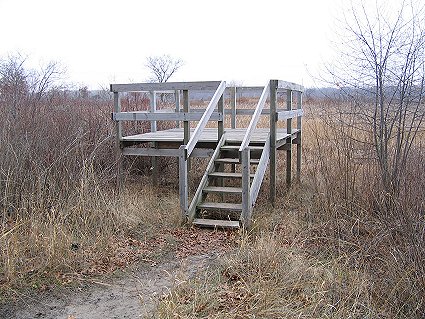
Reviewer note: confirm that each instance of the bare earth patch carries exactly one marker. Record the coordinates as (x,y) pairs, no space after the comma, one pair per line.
(133,290)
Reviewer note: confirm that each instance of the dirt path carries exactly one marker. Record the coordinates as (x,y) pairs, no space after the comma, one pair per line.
(133,294)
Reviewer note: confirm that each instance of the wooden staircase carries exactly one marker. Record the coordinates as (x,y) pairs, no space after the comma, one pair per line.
(218,201)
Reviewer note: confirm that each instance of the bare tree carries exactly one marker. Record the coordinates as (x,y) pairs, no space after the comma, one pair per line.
(382,70)
(19,84)
(46,79)
(162,67)
(13,83)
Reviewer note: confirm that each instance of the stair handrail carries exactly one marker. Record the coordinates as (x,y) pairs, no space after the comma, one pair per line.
(204,119)
(255,117)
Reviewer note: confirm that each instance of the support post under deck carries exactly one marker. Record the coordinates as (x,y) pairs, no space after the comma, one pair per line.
(246,187)
(183,187)
(273,119)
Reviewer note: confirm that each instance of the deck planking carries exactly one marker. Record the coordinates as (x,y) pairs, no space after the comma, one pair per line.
(208,135)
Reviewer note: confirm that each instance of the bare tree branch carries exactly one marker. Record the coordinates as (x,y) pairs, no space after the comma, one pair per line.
(162,67)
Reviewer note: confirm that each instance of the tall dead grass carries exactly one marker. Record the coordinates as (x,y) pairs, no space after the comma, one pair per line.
(372,230)
(57,182)
(330,248)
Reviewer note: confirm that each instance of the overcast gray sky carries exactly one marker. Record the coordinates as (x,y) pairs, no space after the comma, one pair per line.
(102,42)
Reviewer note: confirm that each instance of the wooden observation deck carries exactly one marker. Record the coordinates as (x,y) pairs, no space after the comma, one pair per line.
(239,157)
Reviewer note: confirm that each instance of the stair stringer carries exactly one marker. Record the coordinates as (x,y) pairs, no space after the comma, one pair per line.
(250,192)
(197,198)
(260,172)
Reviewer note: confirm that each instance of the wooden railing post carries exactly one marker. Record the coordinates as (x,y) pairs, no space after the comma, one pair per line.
(273,119)
(233,115)
(299,128)
(246,187)
(153,129)
(186,123)
(220,123)
(220,132)
(118,129)
(233,106)
(289,139)
(177,99)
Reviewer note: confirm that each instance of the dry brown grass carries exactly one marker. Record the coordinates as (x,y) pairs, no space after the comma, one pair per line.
(59,210)
(272,274)
(326,250)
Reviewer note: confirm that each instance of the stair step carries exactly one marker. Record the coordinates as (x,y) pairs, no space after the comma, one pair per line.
(236,147)
(216,223)
(222,206)
(228,190)
(234,160)
(228,175)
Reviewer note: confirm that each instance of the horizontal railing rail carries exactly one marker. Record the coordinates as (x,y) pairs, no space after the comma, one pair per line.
(285,115)
(166,86)
(192,115)
(283,85)
(167,115)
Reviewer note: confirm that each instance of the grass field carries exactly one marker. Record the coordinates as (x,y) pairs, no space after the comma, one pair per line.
(328,249)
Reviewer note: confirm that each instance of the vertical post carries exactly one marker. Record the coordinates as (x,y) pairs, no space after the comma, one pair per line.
(186,129)
(273,119)
(186,124)
(233,106)
(220,132)
(153,129)
(289,139)
(153,109)
(246,187)
(183,187)
(118,128)
(299,126)
(233,115)
(177,99)
(220,123)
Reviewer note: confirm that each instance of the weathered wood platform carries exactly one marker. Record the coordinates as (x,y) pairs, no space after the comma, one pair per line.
(208,135)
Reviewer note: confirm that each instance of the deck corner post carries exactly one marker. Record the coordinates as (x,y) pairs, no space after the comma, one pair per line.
(273,119)
(299,137)
(154,161)
(246,187)
(183,180)
(289,139)
(118,130)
